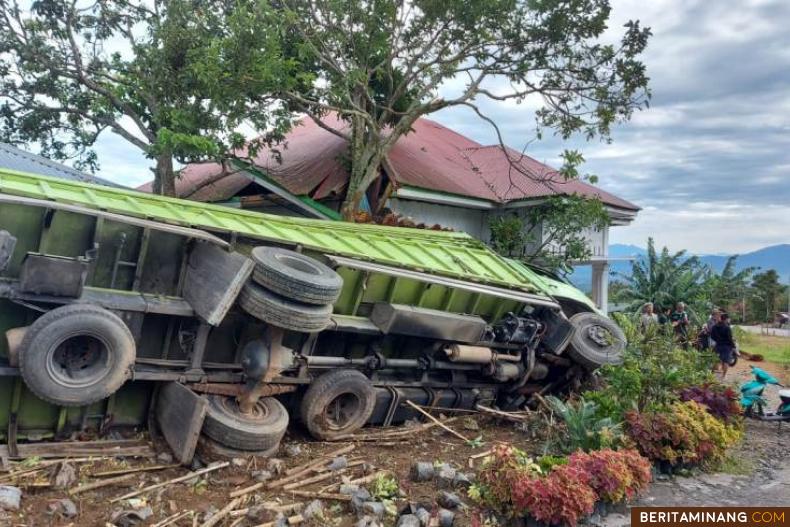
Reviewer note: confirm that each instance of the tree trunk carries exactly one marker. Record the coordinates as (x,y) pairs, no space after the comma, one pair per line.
(164,177)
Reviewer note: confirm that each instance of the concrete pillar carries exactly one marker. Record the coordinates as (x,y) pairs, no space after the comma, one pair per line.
(600,284)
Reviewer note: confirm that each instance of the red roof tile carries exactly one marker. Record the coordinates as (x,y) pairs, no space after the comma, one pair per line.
(431,157)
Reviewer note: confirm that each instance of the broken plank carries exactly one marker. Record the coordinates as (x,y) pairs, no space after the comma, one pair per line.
(171,481)
(101,483)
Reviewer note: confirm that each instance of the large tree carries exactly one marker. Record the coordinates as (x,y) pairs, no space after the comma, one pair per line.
(382,64)
(768,295)
(175,78)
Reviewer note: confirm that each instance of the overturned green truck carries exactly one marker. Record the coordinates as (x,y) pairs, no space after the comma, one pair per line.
(122,309)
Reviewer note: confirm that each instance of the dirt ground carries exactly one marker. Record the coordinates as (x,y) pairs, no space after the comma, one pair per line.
(760,474)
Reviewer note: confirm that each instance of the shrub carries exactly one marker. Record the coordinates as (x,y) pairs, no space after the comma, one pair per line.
(614,475)
(684,434)
(566,490)
(720,401)
(584,428)
(561,497)
(652,373)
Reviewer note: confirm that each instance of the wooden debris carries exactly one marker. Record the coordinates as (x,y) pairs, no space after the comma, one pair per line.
(216,518)
(171,481)
(292,520)
(170,520)
(103,448)
(101,483)
(399,433)
(438,423)
(132,470)
(320,495)
(290,507)
(331,455)
(517,417)
(314,479)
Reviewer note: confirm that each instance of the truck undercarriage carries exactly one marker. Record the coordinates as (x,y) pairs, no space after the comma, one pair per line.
(119,306)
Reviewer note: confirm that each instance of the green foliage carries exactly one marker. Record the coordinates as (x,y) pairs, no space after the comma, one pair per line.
(653,371)
(385,487)
(665,279)
(381,65)
(548,462)
(584,428)
(729,286)
(766,296)
(683,433)
(186,78)
(552,234)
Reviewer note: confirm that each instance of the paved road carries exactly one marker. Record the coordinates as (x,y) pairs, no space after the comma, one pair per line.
(767,331)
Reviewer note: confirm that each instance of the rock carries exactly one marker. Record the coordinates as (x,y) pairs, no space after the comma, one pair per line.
(261,476)
(359,497)
(10,498)
(445,476)
(338,463)
(275,465)
(130,518)
(314,510)
(238,462)
(373,508)
(446,518)
(449,500)
(422,471)
(368,521)
(293,450)
(348,489)
(63,507)
(409,520)
(281,521)
(65,477)
(463,480)
(260,513)
(164,458)
(424,516)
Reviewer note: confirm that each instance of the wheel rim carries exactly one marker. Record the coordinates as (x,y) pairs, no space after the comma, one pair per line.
(600,336)
(298,264)
(258,413)
(78,360)
(342,411)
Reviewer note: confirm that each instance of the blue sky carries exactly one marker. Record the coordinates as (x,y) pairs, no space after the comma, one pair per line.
(709,162)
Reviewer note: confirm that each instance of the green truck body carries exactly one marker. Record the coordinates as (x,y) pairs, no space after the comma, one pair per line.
(135,249)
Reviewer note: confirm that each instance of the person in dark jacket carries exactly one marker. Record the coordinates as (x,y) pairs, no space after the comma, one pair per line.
(725,343)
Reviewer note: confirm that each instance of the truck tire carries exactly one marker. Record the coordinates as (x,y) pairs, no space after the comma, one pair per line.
(597,341)
(260,430)
(295,276)
(76,355)
(282,312)
(337,403)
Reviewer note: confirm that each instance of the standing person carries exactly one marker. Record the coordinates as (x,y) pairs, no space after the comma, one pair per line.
(725,343)
(713,319)
(680,322)
(648,318)
(663,316)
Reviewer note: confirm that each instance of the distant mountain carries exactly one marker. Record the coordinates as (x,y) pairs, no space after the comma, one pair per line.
(772,257)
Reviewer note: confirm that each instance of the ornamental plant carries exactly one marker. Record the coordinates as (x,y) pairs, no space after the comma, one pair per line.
(558,490)
(561,497)
(615,475)
(720,401)
(683,434)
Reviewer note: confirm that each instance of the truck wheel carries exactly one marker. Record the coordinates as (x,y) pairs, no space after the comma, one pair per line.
(337,403)
(282,312)
(296,276)
(262,429)
(76,355)
(596,341)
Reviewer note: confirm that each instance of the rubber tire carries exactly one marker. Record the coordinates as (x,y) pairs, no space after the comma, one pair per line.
(296,276)
(589,354)
(282,312)
(226,425)
(70,321)
(324,390)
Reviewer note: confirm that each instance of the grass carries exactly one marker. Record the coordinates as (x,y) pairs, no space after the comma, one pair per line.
(736,465)
(774,349)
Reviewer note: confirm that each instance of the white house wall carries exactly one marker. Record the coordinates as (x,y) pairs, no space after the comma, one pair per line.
(457,218)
